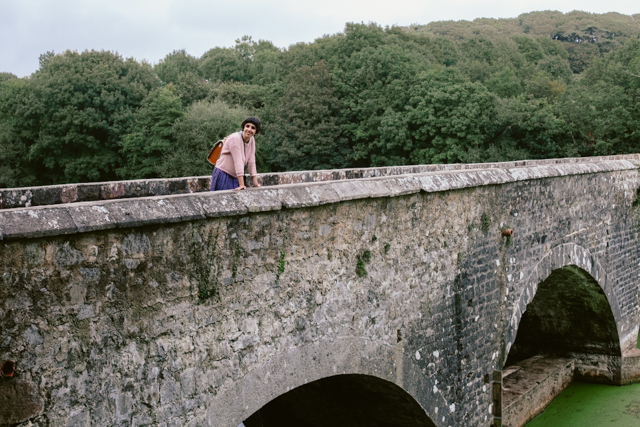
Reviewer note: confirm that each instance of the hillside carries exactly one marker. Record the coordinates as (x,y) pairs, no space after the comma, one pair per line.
(542,85)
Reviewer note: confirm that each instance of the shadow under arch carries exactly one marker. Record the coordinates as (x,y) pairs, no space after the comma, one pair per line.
(350,400)
(326,358)
(570,313)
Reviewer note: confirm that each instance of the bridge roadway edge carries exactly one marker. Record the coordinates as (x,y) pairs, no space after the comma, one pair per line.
(52,220)
(134,223)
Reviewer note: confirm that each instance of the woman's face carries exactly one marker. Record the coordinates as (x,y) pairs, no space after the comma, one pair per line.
(248,131)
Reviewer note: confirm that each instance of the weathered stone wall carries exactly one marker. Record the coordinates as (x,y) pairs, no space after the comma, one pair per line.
(85,192)
(534,384)
(197,310)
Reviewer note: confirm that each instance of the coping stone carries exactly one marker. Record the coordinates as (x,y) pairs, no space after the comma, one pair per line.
(122,213)
(375,187)
(260,199)
(153,210)
(350,190)
(302,196)
(186,208)
(36,222)
(221,203)
(91,216)
(297,197)
(402,186)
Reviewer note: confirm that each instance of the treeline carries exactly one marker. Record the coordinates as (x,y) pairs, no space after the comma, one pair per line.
(489,90)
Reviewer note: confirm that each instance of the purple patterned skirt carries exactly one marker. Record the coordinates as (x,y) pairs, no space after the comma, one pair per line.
(221,180)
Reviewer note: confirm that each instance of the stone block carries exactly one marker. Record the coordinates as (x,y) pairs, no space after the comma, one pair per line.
(221,203)
(187,208)
(350,190)
(400,186)
(46,195)
(301,196)
(375,187)
(260,200)
(36,222)
(136,188)
(158,187)
(87,192)
(112,190)
(20,401)
(69,194)
(153,210)
(91,216)
(16,198)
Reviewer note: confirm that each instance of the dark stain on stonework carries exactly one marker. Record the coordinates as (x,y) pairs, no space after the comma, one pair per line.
(21,401)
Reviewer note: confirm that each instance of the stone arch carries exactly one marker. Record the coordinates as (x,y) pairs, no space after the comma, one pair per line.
(322,359)
(560,256)
(347,400)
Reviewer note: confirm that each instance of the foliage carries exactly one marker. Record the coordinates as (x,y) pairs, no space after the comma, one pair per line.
(182,71)
(304,132)
(193,135)
(544,84)
(76,108)
(151,138)
(15,135)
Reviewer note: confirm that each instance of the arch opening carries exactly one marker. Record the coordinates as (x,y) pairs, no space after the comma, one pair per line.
(569,316)
(348,400)
(567,332)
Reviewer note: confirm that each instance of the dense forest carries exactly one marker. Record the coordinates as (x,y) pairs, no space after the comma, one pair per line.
(542,85)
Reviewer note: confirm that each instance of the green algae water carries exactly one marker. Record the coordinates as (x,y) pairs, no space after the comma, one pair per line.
(592,405)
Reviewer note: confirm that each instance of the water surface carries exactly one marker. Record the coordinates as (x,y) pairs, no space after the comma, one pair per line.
(592,405)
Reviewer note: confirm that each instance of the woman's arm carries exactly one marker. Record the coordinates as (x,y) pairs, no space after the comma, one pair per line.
(241,185)
(251,164)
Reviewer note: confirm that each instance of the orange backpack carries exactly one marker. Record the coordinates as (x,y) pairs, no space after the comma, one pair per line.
(215,151)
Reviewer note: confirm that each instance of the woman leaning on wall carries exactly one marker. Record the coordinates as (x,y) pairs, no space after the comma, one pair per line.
(238,152)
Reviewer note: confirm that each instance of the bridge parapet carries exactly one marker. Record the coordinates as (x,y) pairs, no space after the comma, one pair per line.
(72,218)
(85,192)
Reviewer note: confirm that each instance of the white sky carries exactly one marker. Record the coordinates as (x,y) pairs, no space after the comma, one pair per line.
(150,29)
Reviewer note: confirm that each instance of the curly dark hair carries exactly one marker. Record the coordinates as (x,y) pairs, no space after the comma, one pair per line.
(255,121)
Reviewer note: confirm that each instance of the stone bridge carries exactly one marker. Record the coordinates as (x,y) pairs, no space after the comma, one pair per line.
(390,296)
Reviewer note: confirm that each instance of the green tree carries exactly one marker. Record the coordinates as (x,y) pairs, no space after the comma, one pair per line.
(542,85)
(224,64)
(151,137)
(174,64)
(505,83)
(7,76)
(450,118)
(79,107)
(203,124)
(529,48)
(15,169)
(526,128)
(304,130)
(183,71)
(15,135)
(556,67)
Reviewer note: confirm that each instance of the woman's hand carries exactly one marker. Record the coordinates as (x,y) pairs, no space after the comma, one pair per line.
(254,180)
(241,187)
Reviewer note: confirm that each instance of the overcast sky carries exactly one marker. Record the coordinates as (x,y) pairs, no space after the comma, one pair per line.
(150,29)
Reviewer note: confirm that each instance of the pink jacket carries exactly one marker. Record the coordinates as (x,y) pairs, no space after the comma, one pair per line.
(236,154)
